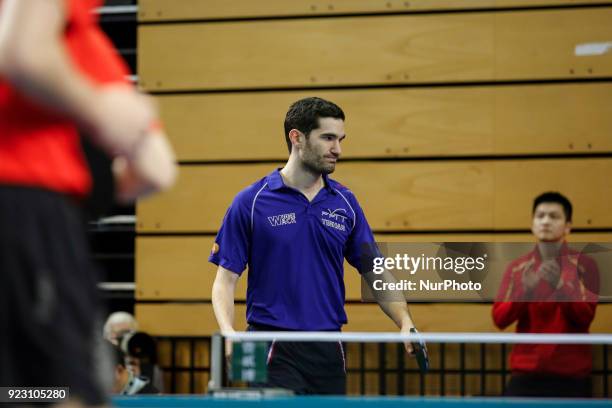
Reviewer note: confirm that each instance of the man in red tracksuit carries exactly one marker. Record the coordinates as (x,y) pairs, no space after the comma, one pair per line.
(59,74)
(552,289)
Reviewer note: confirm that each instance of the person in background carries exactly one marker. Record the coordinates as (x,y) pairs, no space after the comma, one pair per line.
(120,324)
(117,324)
(552,289)
(126,382)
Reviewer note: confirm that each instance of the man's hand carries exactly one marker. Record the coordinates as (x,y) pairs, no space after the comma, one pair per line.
(419,351)
(123,120)
(150,169)
(228,344)
(228,350)
(550,271)
(120,118)
(408,344)
(154,162)
(530,280)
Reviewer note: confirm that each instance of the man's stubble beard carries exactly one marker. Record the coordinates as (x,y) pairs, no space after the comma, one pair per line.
(315,163)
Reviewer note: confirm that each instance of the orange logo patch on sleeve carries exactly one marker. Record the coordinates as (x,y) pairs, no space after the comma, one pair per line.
(215,249)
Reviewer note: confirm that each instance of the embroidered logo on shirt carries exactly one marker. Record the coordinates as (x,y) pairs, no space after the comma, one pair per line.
(335,215)
(282,219)
(338,219)
(333,224)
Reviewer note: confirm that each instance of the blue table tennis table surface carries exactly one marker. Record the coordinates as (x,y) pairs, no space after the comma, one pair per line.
(349,401)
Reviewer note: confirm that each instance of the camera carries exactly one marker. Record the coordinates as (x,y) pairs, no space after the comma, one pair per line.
(139,345)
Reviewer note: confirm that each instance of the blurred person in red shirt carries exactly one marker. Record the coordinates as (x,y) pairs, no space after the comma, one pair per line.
(552,289)
(59,75)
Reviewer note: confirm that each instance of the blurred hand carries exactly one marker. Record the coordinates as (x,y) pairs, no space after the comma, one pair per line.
(121,117)
(228,343)
(150,168)
(228,348)
(550,271)
(530,280)
(153,160)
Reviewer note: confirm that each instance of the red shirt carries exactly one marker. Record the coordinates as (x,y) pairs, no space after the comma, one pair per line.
(39,147)
(579,285)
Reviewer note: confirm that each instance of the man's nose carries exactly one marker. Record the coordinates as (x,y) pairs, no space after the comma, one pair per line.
(336,149)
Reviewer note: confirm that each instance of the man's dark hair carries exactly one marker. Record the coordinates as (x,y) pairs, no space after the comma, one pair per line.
(554,197)
(304,115)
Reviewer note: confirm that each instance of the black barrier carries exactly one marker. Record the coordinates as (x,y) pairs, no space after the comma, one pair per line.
(405,368)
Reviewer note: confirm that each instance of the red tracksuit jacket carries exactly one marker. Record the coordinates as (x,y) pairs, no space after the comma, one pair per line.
(569,308)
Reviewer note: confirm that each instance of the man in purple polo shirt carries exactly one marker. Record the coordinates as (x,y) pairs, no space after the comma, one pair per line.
(293,230)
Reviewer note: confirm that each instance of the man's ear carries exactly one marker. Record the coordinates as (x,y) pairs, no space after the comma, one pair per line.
(296,137)
(568,227)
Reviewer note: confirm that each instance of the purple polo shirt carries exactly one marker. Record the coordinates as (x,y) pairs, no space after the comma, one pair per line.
(294,250)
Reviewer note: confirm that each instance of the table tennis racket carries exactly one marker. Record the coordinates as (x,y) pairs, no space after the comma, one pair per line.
(420,351)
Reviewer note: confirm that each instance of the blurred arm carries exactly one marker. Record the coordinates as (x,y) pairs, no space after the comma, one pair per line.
(506,310)
(506,313)
(34,60)
(580,292)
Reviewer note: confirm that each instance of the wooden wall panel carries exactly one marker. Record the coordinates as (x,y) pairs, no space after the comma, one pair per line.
(177,268)
(173,319)
(586,182)
(189,319)
(534,45)
(403,122)
(387,49)
(443,196)
(199,199)
(162,10)
(173,268)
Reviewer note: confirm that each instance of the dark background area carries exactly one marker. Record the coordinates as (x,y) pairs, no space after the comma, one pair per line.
(112,239)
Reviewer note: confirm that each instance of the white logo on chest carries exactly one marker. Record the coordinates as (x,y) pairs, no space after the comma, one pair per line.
(338,219)
(282,219)
(335,215)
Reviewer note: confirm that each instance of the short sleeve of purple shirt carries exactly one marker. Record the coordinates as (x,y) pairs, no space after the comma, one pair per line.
(232,243)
